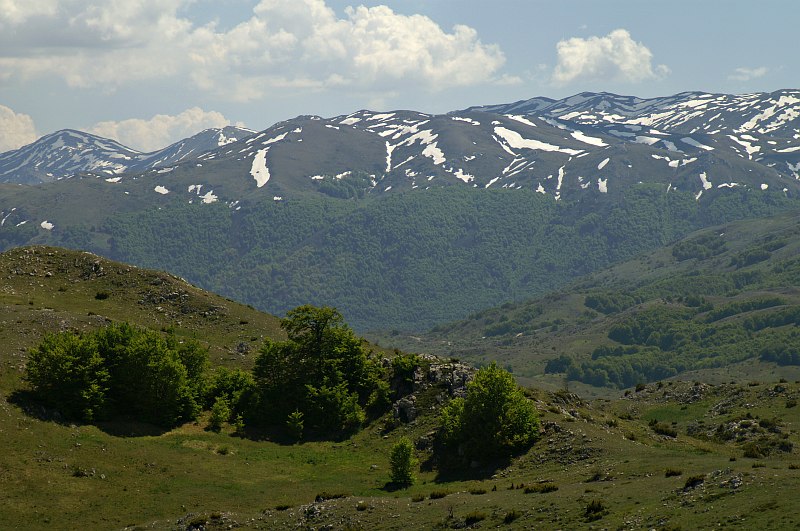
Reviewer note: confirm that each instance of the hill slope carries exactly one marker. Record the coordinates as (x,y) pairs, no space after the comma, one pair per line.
(722,301)
(635,461)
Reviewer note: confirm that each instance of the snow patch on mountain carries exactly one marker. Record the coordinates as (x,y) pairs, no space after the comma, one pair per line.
(259,169)
(694,143)
(515,140)
(586,139)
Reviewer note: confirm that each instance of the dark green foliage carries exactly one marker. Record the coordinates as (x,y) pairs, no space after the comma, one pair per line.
(235,385)
(541,488)
(595,510)
(494,420)
(438,494)
(701,247)
(473,517)
(123,370)
(742,307)
(693,482)
(322,371)
(665,339)
(67,371)
(662,428)
(402,462)
(403,367)
(750,257)
(294,425)
(559,364)
(671,472)
(511,516)
(610,302)
(380,259)
(220,414)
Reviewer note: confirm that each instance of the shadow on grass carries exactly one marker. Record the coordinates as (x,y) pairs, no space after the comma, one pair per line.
(26,401)
(458,470)
(391,486)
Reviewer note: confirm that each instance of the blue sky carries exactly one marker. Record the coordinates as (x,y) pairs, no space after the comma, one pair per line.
(149,72)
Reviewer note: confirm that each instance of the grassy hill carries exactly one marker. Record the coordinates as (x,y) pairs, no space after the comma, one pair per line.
(667,456)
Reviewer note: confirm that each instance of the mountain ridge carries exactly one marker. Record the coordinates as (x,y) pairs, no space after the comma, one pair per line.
(69,152)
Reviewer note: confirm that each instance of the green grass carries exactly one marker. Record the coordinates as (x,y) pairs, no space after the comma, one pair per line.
(65,476)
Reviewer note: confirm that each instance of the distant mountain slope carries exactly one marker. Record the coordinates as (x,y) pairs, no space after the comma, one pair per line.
(66,153)
(591,143)
(405,219)
(773,114)
(708,302)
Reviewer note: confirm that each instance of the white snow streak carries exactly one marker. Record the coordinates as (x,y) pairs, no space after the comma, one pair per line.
(434,153)
(603,164)
(161,190)
(521,119)
(706,184)
(586,139)
(515,140)
(692,142)
(259,169)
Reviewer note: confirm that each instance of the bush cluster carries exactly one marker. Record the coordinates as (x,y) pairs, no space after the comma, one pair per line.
(120,370)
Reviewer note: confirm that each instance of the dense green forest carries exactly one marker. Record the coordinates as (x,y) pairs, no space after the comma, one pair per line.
(411,260)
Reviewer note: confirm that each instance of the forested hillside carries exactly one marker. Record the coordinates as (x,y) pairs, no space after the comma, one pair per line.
(411,260)
(723,301)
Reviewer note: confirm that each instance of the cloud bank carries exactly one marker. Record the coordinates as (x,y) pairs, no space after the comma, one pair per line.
(302,44)
(746,74)
(161,130)
(16,129)
(615,57)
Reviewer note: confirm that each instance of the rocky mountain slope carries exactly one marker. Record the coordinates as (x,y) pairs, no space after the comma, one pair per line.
(67,153)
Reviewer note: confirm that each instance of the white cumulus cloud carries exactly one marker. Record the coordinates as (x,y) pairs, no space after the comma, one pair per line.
(16,129)
(614,57)
(746,74)
(298,44)
(161,130)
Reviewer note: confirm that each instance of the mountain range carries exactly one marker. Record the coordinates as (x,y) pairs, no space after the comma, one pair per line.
(406,219)
(66,153)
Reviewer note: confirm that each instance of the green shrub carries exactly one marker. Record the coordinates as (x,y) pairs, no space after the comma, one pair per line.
(402,462)
(495,419)
(752,450)
(671,472)
(322,371)
(693,482)
(474,517)
(294,425)
(220,414)
(120,369)
(438,494)
(595,510)
(416,498)
(541,488)
(511,515)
